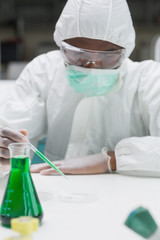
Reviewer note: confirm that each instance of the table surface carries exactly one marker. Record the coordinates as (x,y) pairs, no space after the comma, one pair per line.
(113,198)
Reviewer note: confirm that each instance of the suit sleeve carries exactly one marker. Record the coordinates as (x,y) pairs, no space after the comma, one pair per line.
(141,155)
(25,108)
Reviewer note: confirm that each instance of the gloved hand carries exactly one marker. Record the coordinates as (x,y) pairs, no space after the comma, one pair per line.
(8,136)
(92,164)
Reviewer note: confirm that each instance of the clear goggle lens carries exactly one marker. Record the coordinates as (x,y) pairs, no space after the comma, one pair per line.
(97,59)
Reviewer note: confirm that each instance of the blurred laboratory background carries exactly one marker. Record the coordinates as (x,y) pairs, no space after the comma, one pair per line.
(27,26)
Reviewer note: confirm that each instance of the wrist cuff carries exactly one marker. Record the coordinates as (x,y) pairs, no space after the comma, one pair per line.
(107,158)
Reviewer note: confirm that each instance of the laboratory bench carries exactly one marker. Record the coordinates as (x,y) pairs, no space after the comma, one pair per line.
(97,213)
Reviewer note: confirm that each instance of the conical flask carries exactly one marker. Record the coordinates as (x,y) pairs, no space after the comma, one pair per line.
(20,197)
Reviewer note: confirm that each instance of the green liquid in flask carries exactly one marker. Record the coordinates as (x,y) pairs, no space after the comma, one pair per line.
(20,198)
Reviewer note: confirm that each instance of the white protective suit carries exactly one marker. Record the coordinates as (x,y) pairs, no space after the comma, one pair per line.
(127,120)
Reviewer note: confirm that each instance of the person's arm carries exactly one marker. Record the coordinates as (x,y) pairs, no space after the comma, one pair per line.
(91,164)
(113,160)
(25,108)
(140,156)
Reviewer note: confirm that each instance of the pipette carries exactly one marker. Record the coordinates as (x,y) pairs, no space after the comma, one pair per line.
(46,159)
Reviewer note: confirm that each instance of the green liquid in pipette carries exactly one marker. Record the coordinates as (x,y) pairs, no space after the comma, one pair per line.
(49,162)
(20,198)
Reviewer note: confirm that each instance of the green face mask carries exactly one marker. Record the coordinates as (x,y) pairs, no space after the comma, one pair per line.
(91,81)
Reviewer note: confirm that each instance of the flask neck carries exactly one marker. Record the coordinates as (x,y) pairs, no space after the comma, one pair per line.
(20,163)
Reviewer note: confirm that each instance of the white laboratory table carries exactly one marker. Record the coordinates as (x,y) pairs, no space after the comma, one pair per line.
(114,197)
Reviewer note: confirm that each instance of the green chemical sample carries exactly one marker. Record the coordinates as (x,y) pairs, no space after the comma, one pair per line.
(20,198)
(46,159)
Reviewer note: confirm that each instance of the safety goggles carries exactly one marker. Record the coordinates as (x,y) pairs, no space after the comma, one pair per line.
(90,58)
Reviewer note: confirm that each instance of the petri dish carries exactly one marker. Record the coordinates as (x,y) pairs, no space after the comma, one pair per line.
(45,194)
(76,197)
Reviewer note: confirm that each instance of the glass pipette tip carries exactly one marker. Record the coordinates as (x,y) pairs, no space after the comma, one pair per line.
(46,159)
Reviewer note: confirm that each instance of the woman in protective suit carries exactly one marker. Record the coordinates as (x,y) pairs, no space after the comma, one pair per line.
(99,111)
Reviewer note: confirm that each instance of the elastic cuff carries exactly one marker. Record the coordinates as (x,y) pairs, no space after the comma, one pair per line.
(107,158)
